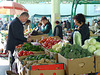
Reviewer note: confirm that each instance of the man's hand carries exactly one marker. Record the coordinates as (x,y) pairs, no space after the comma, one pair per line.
(28,40)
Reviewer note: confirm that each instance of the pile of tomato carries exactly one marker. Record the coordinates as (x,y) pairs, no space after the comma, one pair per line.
(20,45)
(25,53)
(48,42)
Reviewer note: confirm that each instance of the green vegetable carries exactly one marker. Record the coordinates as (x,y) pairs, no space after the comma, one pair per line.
(30,47)
(97,45)
(97,52)
(86,42)
(55,46)
(38,57)
(92,41)
(74,51)
(85,46)
(77,38)
(91,48)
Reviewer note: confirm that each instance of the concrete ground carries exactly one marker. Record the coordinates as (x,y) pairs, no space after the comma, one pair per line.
(4,66)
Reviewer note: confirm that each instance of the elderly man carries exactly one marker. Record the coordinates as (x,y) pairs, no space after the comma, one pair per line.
(16,33)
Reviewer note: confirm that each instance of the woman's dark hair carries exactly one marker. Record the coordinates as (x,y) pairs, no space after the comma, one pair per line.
(43,18)
(57,22)
(28,21)
(80,18)
(39,23)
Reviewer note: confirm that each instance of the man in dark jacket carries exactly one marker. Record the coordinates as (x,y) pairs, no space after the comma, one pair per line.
(58,30)
(16,33)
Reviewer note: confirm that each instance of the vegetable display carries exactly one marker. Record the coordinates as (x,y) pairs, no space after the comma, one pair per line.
(92,45)
(39,57)
(74,51)
(48,42)
(57,47)
(25,53)
(37,60)
(30,47)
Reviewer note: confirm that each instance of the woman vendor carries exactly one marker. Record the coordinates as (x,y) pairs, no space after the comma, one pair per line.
(83,28)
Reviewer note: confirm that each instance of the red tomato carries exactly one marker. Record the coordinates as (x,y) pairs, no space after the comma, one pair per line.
(49,47)
(52,42)
(45,43)
(44,46)
(31,53)
(47,40)
(24,54)
(58,40)
(40,41)
(19,54)
(49,44)
(20,45)
(55,42)
(44,38)
(17,46)
(28,53)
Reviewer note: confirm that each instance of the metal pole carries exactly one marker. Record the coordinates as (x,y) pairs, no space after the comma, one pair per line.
(85,9)
(72,14)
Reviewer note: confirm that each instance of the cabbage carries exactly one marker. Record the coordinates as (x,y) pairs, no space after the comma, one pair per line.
(97,45)
(86,42)
(77,38)
(85,46)
(92,41)
(55,46)
(91,48)
(97,52)
(97,48)
(58,49)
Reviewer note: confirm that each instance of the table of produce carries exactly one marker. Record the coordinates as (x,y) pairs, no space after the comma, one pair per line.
(52,56)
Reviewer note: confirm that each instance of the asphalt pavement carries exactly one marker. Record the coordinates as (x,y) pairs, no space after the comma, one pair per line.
(4,66)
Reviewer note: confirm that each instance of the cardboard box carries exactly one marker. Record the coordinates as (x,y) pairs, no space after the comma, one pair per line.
(21,58)
(35,54)
(44,72)
(78,66)
(38,37)
(47,67)
(97,63)
(11,73)
(57,37)
(38,52)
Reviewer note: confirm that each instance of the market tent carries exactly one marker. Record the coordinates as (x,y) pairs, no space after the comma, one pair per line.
(11,8)
(73,2)
(40,15)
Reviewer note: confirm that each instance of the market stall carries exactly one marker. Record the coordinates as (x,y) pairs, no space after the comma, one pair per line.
(55,56)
